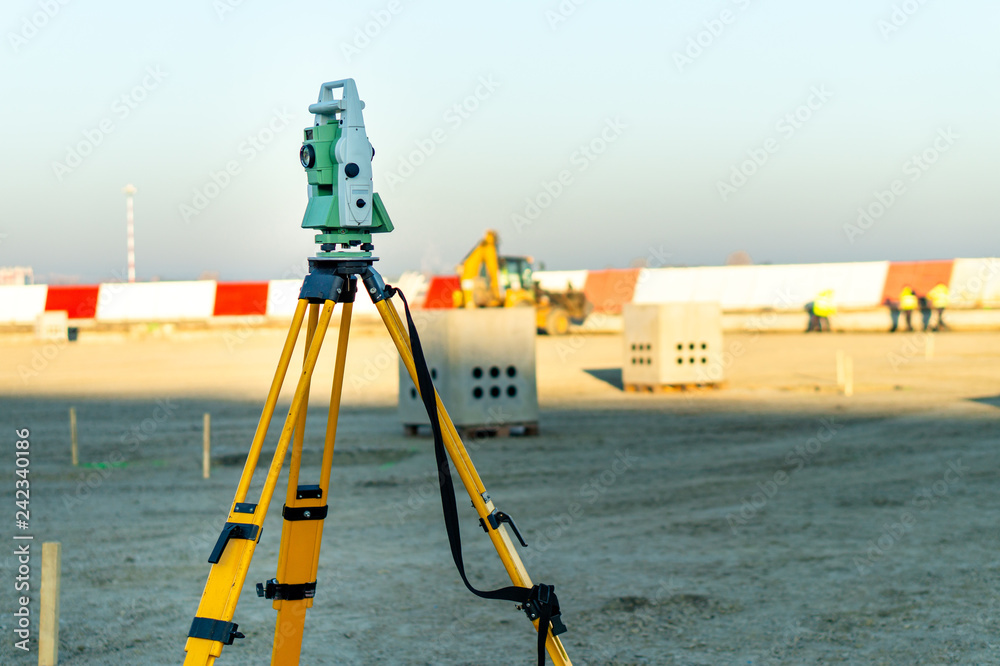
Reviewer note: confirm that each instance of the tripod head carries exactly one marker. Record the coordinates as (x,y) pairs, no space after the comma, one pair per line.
(343,206)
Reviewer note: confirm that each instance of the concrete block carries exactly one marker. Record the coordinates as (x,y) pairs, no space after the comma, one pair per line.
(52,325)
(672,343)
(483,365)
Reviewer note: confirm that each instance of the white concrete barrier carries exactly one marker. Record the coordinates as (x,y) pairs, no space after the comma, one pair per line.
(282,295)
(976,283)
(779,287)
(21,304)
(559,280)
(156,301)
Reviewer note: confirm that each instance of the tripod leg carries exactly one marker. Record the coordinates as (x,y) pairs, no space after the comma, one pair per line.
(302,530)
(213,627)
(300,423)
(470,477)
(448,429)
(272,399)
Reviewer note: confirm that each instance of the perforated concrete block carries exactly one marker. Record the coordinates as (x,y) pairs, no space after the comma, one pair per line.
(672,344)
(483,365)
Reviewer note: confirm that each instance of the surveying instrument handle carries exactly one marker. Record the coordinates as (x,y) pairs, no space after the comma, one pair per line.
(349,104)
(345,211)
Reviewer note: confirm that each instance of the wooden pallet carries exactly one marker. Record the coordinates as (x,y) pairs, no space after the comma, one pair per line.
(481,431)
(674,388)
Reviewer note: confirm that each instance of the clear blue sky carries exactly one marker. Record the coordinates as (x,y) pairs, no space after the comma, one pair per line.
(673,130)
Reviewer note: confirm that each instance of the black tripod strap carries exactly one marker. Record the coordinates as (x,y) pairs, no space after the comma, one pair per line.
(539,601)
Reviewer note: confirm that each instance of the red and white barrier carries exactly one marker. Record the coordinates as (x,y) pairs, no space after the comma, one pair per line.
(974,283)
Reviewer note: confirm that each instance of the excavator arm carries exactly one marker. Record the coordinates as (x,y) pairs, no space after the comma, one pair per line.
(482,258)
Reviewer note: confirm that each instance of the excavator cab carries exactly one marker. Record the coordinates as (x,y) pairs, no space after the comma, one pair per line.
(516,281)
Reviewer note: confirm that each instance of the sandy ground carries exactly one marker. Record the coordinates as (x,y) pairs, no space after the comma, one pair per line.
(772,522)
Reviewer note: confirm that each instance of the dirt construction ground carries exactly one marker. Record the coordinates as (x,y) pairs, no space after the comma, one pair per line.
(774,521)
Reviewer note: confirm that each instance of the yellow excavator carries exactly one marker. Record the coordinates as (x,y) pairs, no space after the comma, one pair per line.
(488,280)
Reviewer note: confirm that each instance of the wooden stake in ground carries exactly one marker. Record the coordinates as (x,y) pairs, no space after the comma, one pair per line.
(48,616)
(72,435)
(848,376)
(840,369)
(206,452)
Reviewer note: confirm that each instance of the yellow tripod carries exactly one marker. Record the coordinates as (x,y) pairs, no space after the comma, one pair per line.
(331,281)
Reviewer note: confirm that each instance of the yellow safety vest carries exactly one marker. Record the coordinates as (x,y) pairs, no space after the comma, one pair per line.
(939,296)
(823,305)
(907,300)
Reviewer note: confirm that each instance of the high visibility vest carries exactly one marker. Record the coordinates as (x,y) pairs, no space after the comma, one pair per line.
(823,305)
(907,299)
(939,296)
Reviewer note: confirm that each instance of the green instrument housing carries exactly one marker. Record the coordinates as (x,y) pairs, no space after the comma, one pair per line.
(322,210)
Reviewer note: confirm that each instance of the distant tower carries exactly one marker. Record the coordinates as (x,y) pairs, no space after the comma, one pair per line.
(129,190)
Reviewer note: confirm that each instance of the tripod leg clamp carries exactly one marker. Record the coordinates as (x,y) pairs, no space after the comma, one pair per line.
(304,512)
(497,517)
(272,589)
(233,531)
(215,630)
(320,286)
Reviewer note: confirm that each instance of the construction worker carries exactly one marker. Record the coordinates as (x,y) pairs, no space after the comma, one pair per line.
(822,308)
(908,302)
(893,312)
(938,297)
(925,312)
